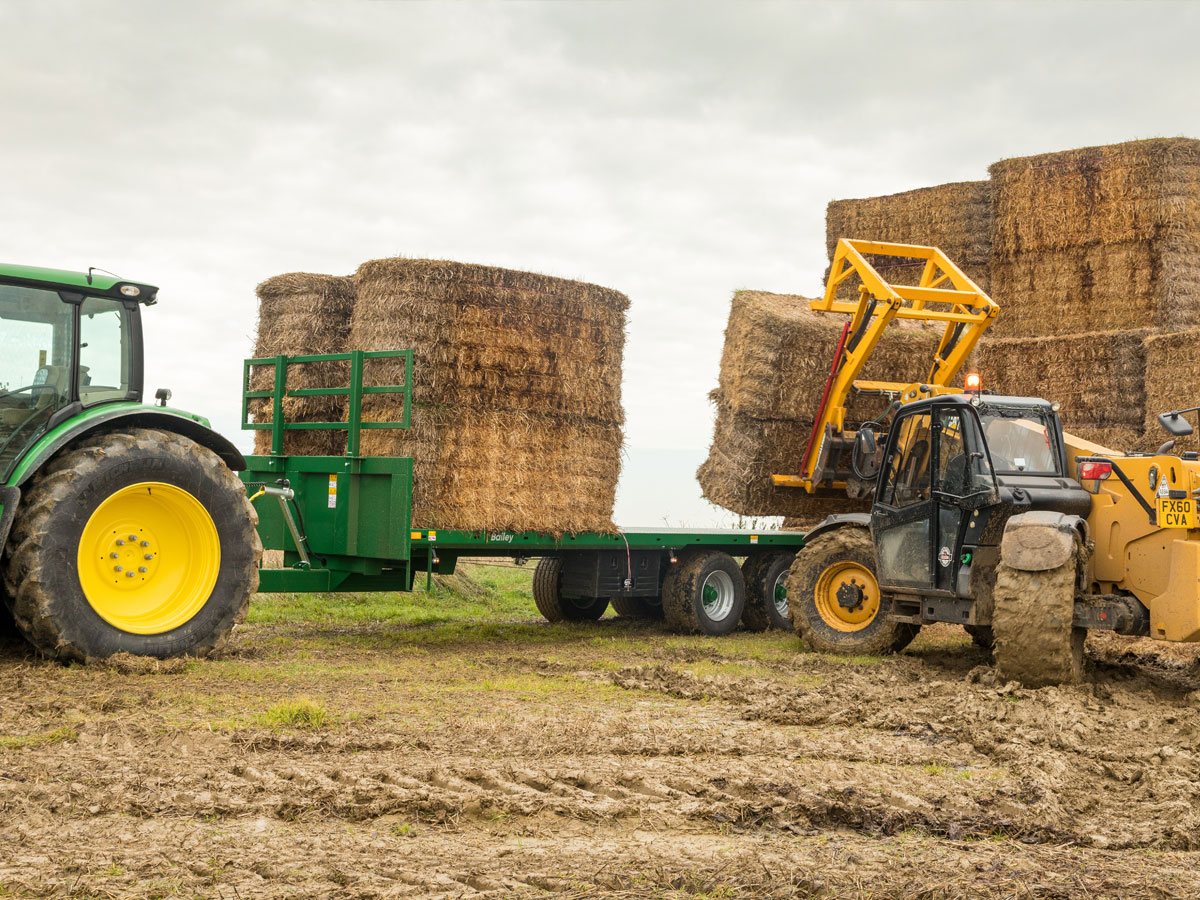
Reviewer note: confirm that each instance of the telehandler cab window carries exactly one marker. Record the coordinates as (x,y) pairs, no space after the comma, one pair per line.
(908,468)
(1019,441)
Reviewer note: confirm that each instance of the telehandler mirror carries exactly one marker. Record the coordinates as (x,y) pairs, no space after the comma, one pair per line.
(1175,423)
(865,457)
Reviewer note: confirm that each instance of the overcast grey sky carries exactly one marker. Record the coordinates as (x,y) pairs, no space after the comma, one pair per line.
(674,151)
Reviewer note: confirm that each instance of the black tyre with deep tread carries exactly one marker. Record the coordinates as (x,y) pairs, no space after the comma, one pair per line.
(41,573)
(881,635)
(638,607)
(547,596)
(683,593)
(761,572)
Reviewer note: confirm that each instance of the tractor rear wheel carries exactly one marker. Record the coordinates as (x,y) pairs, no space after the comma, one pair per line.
(139,542)
(1036,642)
(766,591)
(835,601)
(548,598)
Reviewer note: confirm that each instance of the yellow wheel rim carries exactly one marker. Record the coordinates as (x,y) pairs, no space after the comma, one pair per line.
(149,558)
(847,596)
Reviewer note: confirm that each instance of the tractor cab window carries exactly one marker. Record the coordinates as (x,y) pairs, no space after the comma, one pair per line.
(962,466)
(1019,440)
(907,478)
(103,351)
(35,365)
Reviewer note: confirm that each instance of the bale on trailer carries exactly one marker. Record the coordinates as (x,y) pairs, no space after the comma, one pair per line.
(299,314)
(1106,237)
(517,392)
(955,217)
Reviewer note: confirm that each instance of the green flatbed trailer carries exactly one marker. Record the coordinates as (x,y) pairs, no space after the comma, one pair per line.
(345,524)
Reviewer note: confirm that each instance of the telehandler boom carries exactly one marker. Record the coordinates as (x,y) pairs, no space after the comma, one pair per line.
(984,512)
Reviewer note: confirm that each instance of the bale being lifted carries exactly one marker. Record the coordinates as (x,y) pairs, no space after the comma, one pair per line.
(517,392)
(773,372)
(301,314)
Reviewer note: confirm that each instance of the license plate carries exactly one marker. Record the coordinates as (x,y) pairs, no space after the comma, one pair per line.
(1176,513)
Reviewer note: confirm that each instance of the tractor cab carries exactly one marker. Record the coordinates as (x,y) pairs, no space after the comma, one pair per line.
(951,471)
(70,341)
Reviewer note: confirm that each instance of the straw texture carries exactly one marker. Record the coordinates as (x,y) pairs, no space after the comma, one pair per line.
(517,392)
(298,314)
(1172,382)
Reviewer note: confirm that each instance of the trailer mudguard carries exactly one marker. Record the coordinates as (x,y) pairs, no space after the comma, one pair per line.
(132,416)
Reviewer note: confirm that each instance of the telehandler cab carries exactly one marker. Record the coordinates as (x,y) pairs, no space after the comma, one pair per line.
(984,512)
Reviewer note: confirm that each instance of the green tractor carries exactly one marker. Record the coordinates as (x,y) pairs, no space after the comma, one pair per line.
(123,525)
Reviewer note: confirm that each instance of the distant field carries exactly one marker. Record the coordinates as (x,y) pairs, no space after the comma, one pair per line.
(453,744)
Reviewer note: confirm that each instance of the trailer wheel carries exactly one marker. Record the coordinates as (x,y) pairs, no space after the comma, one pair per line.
(704,592)
(835,602)
(139,542)
(547,596)
(765,575)
(638,607)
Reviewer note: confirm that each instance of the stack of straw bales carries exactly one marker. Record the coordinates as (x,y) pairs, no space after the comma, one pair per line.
(955,217)
(773,372)
(517,419)
(299,314)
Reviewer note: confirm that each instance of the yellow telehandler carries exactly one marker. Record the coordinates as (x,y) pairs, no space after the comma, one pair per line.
(984,512)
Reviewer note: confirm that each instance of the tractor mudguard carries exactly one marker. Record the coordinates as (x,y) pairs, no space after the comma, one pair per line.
(10,497)
(840,520)
(1040,540)
(128,417)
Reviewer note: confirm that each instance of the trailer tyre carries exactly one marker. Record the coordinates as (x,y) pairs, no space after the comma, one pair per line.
(704,592)
(140,542)
(638,607)
(834,598)
(765,575)
(548,598)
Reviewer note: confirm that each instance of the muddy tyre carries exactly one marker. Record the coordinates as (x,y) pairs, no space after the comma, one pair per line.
(547,596)
(704,593)
(765,575)
(1033,622)
(139,542)
(638,607)
(834,598)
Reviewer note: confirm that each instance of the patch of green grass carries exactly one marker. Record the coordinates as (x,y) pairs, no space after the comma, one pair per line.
(302,712)
(935,769)
(64,734)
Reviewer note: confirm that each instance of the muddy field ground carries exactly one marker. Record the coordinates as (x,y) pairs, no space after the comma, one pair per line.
(454,745)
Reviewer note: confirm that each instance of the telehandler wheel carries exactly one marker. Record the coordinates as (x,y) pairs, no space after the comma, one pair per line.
(765,575)
(547,596)
(704,592)
(140,542)
(1036,641)
(638,607)
(835,602)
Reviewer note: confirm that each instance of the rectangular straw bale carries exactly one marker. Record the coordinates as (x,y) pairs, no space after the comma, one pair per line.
(1098,238)
(955,217)
(299,314)
(1098,378)
(777,355)
(517,392)
(1172,382)
(1123,440)
(745,453)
